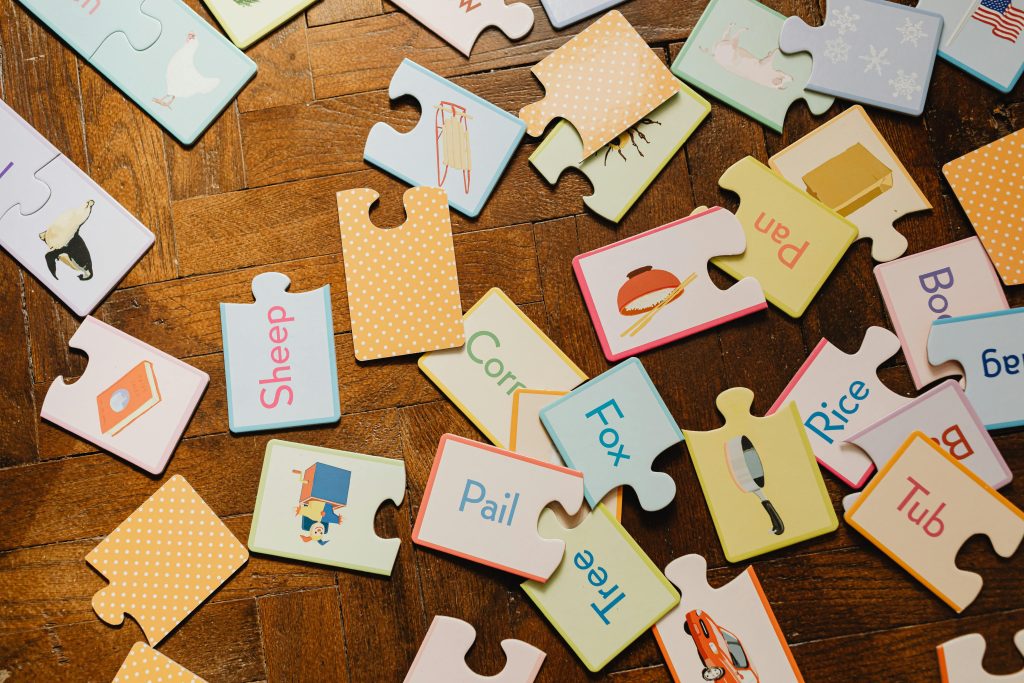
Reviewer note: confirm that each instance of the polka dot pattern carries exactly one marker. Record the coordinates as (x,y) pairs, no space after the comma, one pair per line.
(146,665)
(989,182)
(603,81)
(164,560)
(403,285)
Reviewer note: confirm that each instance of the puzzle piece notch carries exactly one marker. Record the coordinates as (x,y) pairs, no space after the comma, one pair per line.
(25,153)
(461,24)
(442,656)
(146,664)
(85,25)
(961,660)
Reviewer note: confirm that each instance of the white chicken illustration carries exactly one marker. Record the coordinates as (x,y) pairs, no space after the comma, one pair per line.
(183,79)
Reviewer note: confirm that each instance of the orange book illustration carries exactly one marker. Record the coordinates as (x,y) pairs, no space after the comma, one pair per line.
(128,398)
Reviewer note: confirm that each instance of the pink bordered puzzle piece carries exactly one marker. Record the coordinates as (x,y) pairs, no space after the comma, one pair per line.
(961,660)
(482,503)
(442,656)
(837,394)
(461,23)
(143,663)
(653,288)
(133,401)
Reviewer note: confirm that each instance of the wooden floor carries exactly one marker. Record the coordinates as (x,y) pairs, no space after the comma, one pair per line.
(257,193)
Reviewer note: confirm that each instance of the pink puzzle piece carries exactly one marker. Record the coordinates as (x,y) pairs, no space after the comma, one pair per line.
(442,657)
(960,660)
(460,22)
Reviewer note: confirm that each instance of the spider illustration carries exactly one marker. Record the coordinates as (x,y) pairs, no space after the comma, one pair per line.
(629,136)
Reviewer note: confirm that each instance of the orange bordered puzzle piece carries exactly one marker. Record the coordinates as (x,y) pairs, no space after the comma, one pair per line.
(188,553)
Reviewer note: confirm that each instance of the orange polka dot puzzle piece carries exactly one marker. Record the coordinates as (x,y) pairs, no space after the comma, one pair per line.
(603,81)
(164,560)
(988,184)
(144,664)
(403,285)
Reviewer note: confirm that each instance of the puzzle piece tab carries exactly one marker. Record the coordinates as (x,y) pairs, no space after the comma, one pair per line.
(951,280)
(146,664)
(611,429)
(961,660)
(945,414)
(733,54)
(481,503)
(735,619)
(24,153)
(793,240)
(606,593)
(246,21)
(461,22)
(616,68)
(196,553)
(442,656)
(624,168)
(133,401)
(759,477)
(847,165)
(837,394)
(990,347)
(279,358)
(422,309)
(631,315)
(923,506)
(869,51)
(319,504)
(85,25)
(462,142)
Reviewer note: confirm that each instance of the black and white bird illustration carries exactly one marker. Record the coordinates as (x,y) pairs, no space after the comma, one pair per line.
(65,242)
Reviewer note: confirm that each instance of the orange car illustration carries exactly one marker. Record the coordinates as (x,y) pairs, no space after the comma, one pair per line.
(721,652)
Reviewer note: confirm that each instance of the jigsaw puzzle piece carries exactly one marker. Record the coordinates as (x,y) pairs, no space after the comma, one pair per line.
(481,503)
(279,359)
(461,143)
(194,555)
(146,664)
(246,22)
(733,54)
(133,401)
(923,506)
(319,504)
(611,429)
(442,656)
(847,165)
(24,153)
(961,660)
(85,24)
(837,394)
(760,479)
(504,351)
(561,13)
(610,61)
(989,347)
(623,169)
(422,310)
(736,618)
(793,241)
(606,593)
(186,78)
(81,243)
(869,51)
(460,24)
(952,280)
(945,414)
(631,315)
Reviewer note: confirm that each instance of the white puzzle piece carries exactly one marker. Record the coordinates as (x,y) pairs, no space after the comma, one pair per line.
(946,416)
(631,315)
(462,142)
(837,394)
(24,153)
(961,660)
(133,400)
(731,630)
(504,351)
(460,22)
(442,656)
(279,361)
(482,503)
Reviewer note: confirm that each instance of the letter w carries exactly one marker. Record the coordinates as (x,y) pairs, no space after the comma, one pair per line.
(469,5)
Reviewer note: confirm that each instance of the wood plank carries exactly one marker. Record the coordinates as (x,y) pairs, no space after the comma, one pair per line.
(302,636)
(335,11)
(18,438)
(210,166)
(284,74)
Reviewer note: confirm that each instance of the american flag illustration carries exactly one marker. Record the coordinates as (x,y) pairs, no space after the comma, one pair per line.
(1006,20)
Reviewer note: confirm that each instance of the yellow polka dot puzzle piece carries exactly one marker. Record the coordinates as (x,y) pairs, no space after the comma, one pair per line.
(988,182)
(164,560)
(144,664)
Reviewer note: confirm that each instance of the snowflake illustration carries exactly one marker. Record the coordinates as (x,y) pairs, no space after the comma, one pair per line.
(837,49)
(876,60)
(904,85)
(911,32)
(843,21)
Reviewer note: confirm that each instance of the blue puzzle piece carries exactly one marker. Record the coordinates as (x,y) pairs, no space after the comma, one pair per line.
(611,429)
(85,24)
